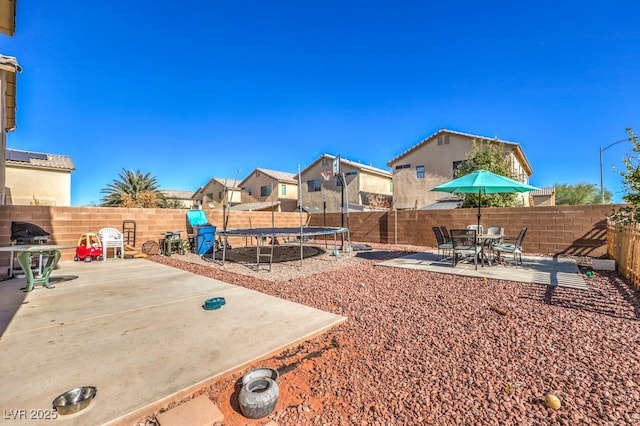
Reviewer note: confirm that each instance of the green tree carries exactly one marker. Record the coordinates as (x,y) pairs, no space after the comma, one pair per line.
(631,178)
(132,189)
(631,183)
(490,156)
(579,193)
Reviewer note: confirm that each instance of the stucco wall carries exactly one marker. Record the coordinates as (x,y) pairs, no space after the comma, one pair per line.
(26,186)
(409,191)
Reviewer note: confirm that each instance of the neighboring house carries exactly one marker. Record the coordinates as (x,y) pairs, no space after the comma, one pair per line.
(264,185)
(217,193)
(182,197)
(367,188)
(543,197)
(33,178)
(444,204)
(432,162)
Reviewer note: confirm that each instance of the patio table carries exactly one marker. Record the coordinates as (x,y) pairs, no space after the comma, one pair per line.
(27,252)
(486,241)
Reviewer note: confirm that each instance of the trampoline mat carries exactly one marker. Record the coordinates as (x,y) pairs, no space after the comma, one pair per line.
(280,254)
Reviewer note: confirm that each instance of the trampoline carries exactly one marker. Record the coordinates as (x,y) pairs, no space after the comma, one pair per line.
(261,234)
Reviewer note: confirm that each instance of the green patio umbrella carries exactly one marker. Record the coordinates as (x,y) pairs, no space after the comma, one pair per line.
(483,182)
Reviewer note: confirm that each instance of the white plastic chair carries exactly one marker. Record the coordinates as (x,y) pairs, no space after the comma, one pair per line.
(111,238)
(476,228)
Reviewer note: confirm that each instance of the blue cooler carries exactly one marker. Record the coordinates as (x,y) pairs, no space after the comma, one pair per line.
(204,234)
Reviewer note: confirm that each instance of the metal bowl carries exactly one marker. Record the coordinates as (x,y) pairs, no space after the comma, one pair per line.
(74,400)
(260,373)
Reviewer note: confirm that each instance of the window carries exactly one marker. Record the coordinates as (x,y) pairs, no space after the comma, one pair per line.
(443,139)
(314,185)
(420,172)
(265,191)
(456,164)
(403,166)
(209,197)
(283,189)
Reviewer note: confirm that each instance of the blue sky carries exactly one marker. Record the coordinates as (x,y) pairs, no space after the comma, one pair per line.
(195,89)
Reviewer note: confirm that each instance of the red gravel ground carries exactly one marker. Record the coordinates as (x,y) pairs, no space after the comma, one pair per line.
(426,348)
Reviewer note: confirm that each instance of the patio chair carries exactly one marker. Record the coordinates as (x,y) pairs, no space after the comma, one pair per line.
(445,234)
(514,248)
(111,238)
(444,247)
(477,228)
(465,245)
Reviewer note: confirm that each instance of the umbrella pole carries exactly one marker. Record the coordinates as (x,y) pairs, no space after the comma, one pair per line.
(479,202)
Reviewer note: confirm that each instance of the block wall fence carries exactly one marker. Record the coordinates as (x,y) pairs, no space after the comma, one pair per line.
(575,230)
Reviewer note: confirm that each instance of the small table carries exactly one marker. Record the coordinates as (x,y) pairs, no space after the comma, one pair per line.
(26,253)
(486,241)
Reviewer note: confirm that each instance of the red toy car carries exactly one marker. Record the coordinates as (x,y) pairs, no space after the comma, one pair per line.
(89,248)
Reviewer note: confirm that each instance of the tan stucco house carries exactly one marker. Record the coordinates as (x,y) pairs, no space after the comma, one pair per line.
(33,178)
(367,188)
(270,187)
(543,197)
(217,193)
(182,198)
(432,162)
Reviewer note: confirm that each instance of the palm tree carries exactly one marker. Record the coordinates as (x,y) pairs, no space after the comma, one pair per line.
(133,189)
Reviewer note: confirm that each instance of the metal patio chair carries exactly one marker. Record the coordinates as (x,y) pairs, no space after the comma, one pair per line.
(514,248)
(465,245)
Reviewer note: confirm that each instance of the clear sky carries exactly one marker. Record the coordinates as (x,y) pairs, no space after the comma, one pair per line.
(188,90)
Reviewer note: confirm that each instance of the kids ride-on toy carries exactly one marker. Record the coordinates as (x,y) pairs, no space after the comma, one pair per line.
(89,248)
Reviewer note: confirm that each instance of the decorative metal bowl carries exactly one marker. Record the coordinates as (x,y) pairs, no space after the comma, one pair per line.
(74,400)
(260,373)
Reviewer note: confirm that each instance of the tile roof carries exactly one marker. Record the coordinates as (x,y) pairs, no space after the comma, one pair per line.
(38,159)
(247,207)
(279,175)
(543,191)
(452,132)
(227,182)
(355,164)
(177,194)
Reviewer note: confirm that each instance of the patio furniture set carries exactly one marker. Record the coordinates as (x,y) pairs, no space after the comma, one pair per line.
(474,245)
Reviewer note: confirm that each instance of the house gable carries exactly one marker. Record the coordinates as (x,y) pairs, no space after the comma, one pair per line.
(432,162)
(26,173)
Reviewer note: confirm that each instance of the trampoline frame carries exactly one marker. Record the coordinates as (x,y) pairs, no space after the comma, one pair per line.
(272,232)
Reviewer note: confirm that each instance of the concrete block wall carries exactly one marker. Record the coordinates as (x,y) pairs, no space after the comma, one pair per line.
(574,230)
(67,224)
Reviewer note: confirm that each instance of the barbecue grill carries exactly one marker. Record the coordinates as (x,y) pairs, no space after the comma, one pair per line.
(28,233)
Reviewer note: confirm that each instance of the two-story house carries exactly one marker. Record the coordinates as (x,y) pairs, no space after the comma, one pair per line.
(367,188)
(264,188)
(433,161)
(217,193)
(34,178)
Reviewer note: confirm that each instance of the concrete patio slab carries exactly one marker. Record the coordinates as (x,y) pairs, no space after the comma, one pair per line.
(135,330)
(554,271)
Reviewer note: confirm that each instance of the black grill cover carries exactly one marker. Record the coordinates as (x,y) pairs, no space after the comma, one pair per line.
(25,232)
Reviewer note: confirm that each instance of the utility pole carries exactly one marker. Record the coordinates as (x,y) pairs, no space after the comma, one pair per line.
(601,171)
